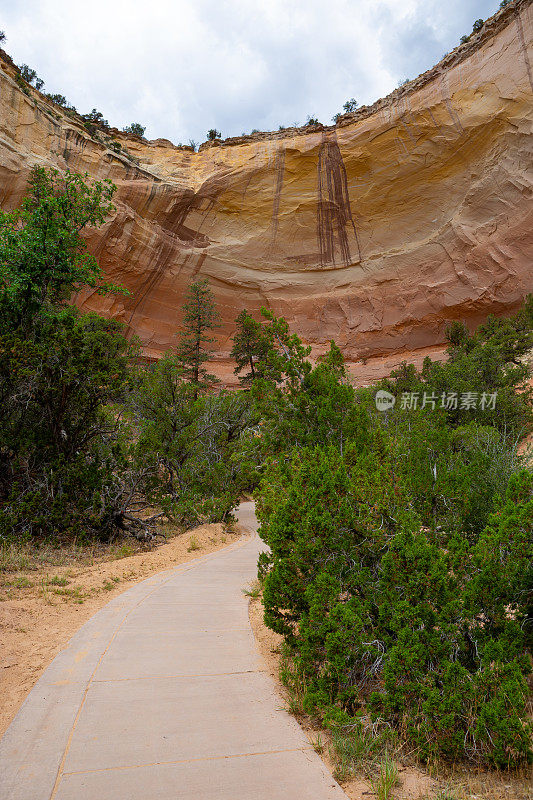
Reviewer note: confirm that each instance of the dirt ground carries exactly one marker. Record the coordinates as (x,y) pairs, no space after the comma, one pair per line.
(42,605)
(444,782)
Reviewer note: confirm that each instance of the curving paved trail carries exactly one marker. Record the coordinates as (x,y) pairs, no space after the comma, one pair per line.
(161,696)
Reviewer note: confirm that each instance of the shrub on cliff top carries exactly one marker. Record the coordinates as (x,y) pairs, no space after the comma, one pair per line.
(135,128)
(350,105)
(95,118)
(30,76)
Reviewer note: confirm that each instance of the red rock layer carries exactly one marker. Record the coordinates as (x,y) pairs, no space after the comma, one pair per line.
(375,232)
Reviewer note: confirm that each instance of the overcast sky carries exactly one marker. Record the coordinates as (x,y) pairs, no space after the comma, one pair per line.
(181,67)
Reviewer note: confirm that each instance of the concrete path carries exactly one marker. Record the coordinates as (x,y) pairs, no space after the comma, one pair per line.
(161,696)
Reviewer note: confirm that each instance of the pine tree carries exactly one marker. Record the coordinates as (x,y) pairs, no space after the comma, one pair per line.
(249,347)
(199,317)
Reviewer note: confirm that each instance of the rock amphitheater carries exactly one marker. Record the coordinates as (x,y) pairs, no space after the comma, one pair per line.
(374,232)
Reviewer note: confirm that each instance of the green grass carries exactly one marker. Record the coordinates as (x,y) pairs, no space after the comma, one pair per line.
(193,545)
(57,581)
(31,556)
(295,684)
(108,585)
(76,594)
(317,744)
(356,747)
(19,583)
(123,551)
(386,779)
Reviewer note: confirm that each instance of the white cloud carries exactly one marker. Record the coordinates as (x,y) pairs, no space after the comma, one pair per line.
(183,66)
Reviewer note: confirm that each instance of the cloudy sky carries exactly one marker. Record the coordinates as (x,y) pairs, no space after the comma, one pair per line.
(181,67)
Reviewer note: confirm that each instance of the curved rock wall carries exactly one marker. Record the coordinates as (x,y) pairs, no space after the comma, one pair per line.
(374,232)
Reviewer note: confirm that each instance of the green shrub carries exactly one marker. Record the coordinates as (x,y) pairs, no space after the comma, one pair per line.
(62,456)
(492,360)
(59,447)
(135,128)
(23,86)
(350,105)
(194,453)
(453,475)
(96,119)
(30,76)
(378,614)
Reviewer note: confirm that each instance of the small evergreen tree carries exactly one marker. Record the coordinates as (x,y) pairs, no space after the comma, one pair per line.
(58,99)
(135,128)
(27,73)
(213,134)
(249,347)
(96,117)
(194,457)
(31,77)
(350,105)
(199,317)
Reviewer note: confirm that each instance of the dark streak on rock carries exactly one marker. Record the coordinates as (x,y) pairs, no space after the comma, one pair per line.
(334,213)
(199,265)
(78,140)
(162,258)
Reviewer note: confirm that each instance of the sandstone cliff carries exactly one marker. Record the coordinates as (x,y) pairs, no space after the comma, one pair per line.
(373,232)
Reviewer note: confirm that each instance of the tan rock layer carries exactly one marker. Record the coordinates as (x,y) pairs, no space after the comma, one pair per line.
(373,232)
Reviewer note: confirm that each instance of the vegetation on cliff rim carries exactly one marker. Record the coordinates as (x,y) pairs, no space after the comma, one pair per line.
(95,123)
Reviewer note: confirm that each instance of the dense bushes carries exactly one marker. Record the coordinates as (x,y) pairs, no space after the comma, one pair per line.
(382,617)
(398,577)
(191,450)
(488,367)
(60,458)
(59,449)
(136,128)
(88,437)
